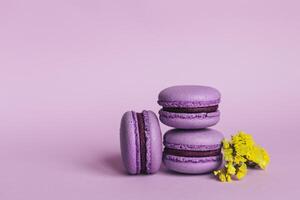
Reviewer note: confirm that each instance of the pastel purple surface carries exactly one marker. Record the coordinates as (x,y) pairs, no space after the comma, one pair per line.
(189,96)
(130,146)
(194,140)
(70,69)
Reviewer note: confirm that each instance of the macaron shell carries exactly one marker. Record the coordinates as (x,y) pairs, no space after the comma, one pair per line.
(192,165)
(189,120)
(189,96)
(154,154)
(129,143)
(194,139)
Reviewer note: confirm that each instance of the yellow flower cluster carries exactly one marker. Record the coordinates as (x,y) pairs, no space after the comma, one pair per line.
(239,154)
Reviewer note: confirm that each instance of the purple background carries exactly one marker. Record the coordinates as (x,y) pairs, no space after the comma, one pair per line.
(69,69)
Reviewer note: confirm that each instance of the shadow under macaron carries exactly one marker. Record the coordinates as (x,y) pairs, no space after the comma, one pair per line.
(113,164)
(109,164)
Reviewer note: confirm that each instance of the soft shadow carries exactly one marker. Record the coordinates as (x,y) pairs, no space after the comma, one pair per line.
(105,165)
(114,163)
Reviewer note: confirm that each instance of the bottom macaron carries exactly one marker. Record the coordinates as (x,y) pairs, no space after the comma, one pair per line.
(192,151)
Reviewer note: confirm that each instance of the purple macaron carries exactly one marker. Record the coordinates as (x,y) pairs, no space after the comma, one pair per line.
(193,151)
(141,142)
(189,106)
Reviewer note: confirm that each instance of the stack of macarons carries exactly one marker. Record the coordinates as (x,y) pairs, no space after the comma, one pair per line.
(190,148)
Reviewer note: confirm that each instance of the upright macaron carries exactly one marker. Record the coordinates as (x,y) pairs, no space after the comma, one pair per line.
(193,151)
(189,106)
(141,142)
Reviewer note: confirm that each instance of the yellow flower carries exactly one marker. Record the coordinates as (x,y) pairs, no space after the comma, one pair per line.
(226,144)
(266,159)
(241,149)
(259,156)
(241,171)
(239,153)
(228,154)
(222,177)
(217,172)
(239,159)
(230,168)
(228,177)
(240,175)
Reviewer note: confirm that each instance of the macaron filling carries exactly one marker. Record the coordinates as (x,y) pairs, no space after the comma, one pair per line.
(208,109)
(191,153)
(143,148)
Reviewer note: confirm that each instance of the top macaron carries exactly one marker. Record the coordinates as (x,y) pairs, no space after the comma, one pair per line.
(189,106)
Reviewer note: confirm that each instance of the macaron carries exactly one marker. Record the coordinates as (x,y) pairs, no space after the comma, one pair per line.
(141,142)
(192,151)
(189,106)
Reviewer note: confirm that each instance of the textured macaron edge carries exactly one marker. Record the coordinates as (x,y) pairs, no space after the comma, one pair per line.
(193,159)
(167,114)
(148,140)
(137,142)
(156,142)
(189,104)
(192,147)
